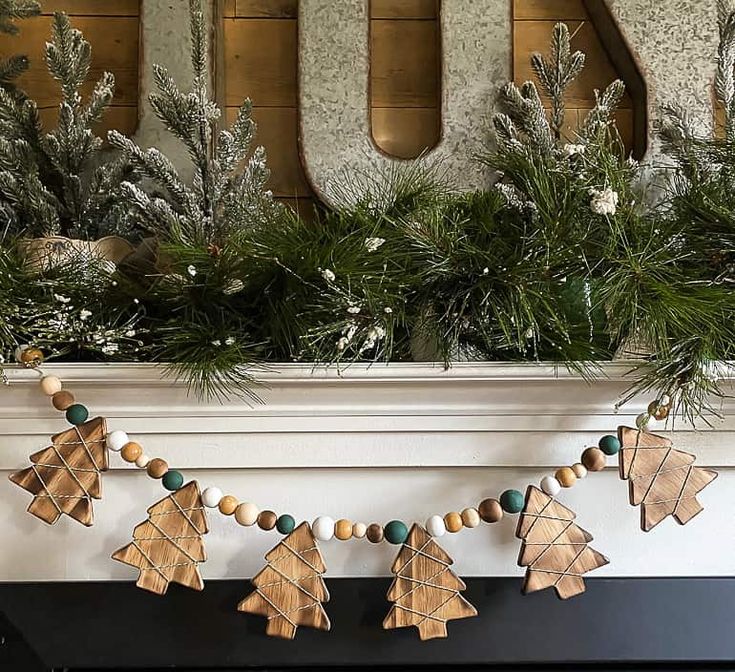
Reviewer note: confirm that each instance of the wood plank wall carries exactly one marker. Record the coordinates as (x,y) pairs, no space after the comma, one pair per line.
(112,28)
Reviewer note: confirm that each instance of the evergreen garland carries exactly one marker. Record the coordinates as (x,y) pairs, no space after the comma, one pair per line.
(10,12)
(566,258)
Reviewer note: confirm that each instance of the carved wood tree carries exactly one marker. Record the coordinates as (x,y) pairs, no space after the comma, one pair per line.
(65,477)
(554,547)
(168,547)
(425,591)
(663,480)
(290,588)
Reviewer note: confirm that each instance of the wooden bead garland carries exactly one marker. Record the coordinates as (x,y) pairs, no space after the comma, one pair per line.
(266,520)
(375,533)
(131,451)
(50,385)
(246,514)
(566,477)
(343,529)
(62,400)
(453,522)
(470,518)
(359,530)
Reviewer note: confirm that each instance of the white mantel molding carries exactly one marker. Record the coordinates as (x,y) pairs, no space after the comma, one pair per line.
(367,443)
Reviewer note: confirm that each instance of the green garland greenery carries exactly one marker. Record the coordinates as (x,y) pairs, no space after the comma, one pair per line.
(567,257)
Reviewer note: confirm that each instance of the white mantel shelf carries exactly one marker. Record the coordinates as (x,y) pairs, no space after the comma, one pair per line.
(367,442)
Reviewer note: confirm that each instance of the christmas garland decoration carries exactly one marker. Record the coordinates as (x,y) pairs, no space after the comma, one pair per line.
(290,591)
(567,258)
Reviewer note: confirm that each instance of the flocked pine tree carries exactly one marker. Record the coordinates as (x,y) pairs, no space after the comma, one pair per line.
(10,12)
(224,198)
(61,182)
(198,289)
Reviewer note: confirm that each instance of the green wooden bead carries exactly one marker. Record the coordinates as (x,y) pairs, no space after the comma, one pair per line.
(609,444)
(172,480)
(77,414)
(512,501)
(285,524)
(396,532)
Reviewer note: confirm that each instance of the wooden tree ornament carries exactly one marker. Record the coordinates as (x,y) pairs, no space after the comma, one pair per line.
(65,477)
(554,548)
(425,591)
(168,547)
(663,480)
(289,590)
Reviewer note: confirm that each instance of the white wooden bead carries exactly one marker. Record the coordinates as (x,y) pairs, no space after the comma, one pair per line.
(359,530)
(550,486)
(323,528)
(50,385)
(18,354)
(247,514)
(580,471)
(435,526)
(470,518)
(142,461)
(116,440)
(211,497)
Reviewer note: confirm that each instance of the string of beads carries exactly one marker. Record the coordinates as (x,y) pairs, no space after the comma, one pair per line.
(324,528)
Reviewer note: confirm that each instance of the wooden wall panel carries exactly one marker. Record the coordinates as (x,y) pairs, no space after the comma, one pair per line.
(112,27)
(533,23)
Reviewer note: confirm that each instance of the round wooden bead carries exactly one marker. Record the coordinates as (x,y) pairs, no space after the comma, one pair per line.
(117,439)
(566,477)
(375,533)
(211,497)
(359,530)
(18,353)
(31,357)
(247,514)
(453,522)
(157,468)
(131,451)
(609,444)
(172,480)
(435,526)
(395,532)
(77,414)
(490,510)
(142,461)
(470,518)
(512,501)
(580,471)
(285,523)
(50,385)
(228,505)
(62,400)
(343,529)
(550,486)
(594,459)
(323,528)
(266,520)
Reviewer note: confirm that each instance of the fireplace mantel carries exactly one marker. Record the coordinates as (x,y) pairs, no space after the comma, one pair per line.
(364,442)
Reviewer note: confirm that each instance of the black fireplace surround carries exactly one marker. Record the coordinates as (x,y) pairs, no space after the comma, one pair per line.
(618,624)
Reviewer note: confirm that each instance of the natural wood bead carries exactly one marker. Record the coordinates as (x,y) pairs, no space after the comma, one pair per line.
(267,520)
(343,529)
(50,385)
(470,518)
(228,505)
(359,530)
(453,521)
(566,477)
(490,510)
(131,451)
(594,459)
(580,471)
(143,461)
(62,400)
(375,533)
(247,514)
(157,468)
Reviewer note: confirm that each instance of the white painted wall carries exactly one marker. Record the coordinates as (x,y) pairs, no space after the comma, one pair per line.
(371,444)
